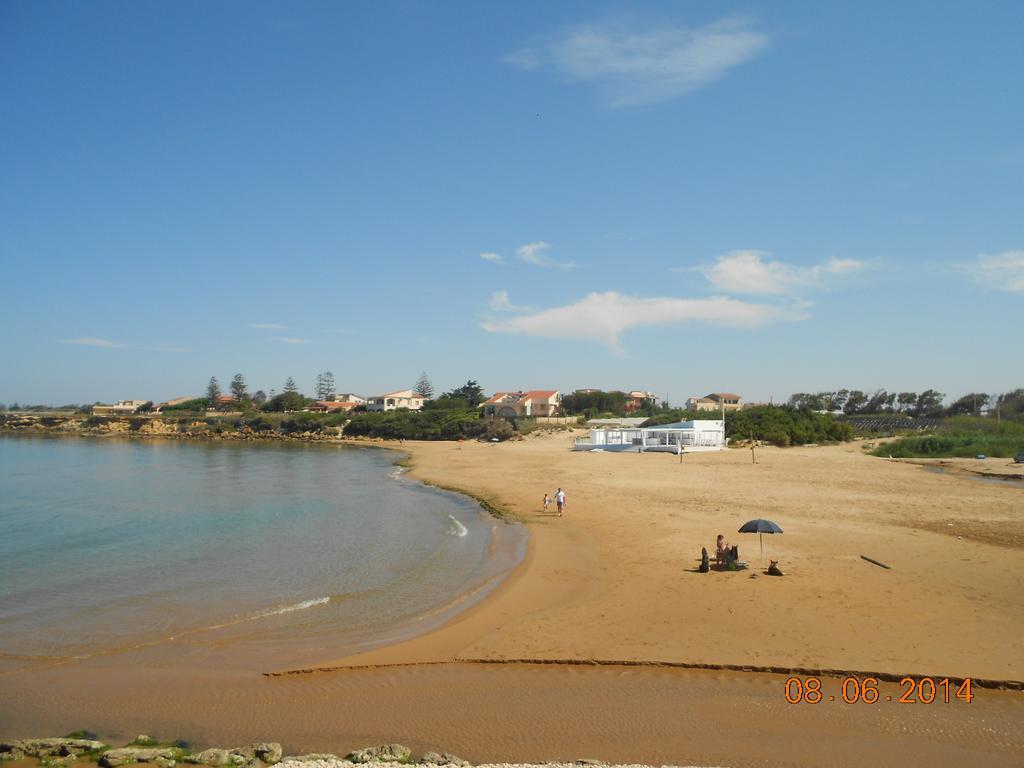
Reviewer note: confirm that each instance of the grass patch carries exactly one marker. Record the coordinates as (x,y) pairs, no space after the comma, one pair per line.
(961,438)
(82,735)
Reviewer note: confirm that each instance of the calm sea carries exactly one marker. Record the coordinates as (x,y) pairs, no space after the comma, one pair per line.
(112,545)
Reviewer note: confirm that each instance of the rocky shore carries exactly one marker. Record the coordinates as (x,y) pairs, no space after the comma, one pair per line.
(54,752)
(174,427)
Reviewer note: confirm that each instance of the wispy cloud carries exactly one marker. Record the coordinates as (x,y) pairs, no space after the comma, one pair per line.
(1003,271)
(500,302)
(91,341)
(603,317)
(533,253)
(755,272)
(494,258)
(631,66)
(268,326)
(292,340)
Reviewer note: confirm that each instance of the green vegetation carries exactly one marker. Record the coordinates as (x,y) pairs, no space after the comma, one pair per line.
(432,424)
(288,401)
(471,392)
(777,424)
(83,734)
(961,437)
(606,405)
(198,405)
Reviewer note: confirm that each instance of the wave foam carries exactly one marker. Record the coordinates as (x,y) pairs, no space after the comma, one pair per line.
(456,528)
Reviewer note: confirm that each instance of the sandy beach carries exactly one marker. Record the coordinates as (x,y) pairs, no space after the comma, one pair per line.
(614,580)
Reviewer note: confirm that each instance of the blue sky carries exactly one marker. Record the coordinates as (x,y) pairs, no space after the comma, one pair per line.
(680,197)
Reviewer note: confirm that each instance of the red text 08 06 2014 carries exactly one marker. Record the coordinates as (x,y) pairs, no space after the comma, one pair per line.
(854,690)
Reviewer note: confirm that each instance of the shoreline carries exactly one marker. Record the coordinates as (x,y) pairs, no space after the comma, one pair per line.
(605,617)
(505,555)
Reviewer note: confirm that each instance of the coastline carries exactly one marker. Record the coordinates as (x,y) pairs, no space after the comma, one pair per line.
(558,584)
(506,548)
(606,618)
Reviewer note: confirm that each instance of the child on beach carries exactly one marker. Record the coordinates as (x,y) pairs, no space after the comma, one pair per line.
(547,501)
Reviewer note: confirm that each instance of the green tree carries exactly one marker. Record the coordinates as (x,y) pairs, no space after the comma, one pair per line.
(289,385)
(259,398)
(238,388)
(855,402)
(325,386)
(877,402)
(1009,405)
(906,401)
(424,388)
(471,392)
(286,402)
(213,394)
(969,405)
(929,403)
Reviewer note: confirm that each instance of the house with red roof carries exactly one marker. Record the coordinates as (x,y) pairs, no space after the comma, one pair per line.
(535,402)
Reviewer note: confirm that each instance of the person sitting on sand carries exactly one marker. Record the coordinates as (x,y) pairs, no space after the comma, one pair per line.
(722,550)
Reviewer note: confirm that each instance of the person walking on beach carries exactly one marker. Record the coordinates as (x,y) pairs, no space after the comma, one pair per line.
(560,500)
(546,502)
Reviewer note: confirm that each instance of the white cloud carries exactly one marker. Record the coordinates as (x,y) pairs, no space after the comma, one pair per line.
(603,317)
(533,253)
(500,302)
(494,258)
(268,326)
(293,340)
(1004,271)
(639,66)
(89,341)
(755,272)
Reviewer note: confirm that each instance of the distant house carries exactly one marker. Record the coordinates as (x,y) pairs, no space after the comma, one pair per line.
(171,403)
(637,399)
(403,398)
(716,401)
(331,406)
(536,402)
(120,408)
(349,397)
(226,399)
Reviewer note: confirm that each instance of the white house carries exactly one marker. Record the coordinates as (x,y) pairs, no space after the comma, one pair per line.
(389,401)
(120,408)
(680,437)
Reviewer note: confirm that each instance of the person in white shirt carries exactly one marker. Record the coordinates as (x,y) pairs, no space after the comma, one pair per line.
(560,500)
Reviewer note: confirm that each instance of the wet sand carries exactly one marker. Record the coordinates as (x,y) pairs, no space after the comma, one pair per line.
(614,580)
(538,713)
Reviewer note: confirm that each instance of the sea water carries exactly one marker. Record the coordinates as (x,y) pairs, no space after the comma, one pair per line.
(110,545)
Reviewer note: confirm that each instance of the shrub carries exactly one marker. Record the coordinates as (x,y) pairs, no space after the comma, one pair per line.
(434,424)
(777,424)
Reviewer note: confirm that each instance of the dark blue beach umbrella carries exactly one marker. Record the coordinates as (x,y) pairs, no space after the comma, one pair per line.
(760,527)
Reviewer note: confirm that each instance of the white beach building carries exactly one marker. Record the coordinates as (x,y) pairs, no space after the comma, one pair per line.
(680,437)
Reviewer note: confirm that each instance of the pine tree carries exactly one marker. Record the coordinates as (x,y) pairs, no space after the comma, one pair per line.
(213,393)
(289,385)
(423,387)
(238,386)
(325,386)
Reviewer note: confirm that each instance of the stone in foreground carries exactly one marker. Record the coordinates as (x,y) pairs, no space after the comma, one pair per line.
(386,753)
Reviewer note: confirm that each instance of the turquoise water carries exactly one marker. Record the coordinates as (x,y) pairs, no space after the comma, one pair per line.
(109,545)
